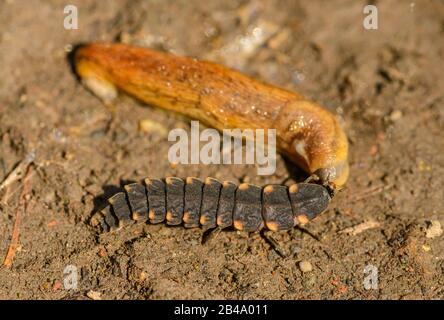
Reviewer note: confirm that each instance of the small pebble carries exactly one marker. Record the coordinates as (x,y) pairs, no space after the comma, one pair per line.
(149,126)
(423,166)
(49,197)
(142,276)
(305,266)
(94,295)
(434,229)
(373,150)
(395,115)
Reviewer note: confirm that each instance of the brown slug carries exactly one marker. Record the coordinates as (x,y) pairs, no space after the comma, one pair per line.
(307,134)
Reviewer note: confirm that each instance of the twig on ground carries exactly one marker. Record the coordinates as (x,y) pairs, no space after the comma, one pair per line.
(355,230)
(369,193)
(18,171)
(22,206)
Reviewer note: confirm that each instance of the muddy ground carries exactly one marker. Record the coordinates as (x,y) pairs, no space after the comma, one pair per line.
(59,157)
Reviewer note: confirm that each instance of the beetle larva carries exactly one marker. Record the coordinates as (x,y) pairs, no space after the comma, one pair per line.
(211,204)
(222,98)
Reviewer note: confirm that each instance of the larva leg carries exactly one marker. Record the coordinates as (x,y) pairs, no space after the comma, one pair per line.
(174,202)
(226,204)
(121,209)
(277,211)
(308,200)
(193,200)
(210,201)
(137,199)
(156,200)
(247,214)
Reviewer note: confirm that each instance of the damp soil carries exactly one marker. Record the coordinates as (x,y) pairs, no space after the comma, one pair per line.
(62,153)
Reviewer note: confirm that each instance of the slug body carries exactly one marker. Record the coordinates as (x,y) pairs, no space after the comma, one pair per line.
(210,203)
(307,134)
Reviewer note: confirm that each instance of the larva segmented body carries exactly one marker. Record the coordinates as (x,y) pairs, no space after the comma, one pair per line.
(211,204)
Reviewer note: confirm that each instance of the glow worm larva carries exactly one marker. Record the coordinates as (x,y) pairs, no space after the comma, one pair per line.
(211,204)
(307,134)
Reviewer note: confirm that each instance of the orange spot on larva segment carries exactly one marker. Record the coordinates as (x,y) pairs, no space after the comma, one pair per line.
(203,219)
(302,219)
(293,188)
(273,226)
(186,217)
(268,189)
(238,225)
(151,214)
(219,221)
(226,183)
(169,216)
(169,180)
(136,216)
(189,180)
(243,186)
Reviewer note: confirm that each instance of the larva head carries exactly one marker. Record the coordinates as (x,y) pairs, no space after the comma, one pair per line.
(316,142)
(335,176)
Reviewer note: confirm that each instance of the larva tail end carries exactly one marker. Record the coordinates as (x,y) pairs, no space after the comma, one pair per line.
(95,220)
(98,223)
(104,220)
